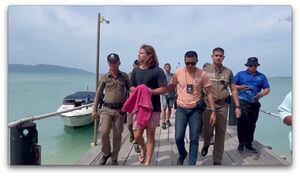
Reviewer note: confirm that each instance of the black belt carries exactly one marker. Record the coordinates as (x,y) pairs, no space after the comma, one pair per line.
(116,106)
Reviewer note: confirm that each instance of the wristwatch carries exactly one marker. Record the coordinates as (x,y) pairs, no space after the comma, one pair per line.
(213,110)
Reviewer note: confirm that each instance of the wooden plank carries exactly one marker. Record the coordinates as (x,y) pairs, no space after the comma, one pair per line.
(164,157)
(173,143)
(125,150)
(166,153)
(268,156)
(252,158)
(89,157)
(265,154)
(232,152)
(156,147)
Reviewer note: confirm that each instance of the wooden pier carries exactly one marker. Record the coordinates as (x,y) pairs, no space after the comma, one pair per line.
(166,154)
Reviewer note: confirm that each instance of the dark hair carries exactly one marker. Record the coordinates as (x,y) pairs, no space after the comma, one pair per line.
(167,64)
(205,65)
(150,51)
(136,62)
(191,54)
(219,49)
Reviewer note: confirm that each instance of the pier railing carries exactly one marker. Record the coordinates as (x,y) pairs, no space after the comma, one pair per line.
(24,149)
(43,116)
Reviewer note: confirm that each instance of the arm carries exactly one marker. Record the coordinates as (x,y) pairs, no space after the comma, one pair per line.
(235,97)
(211,101)
(241,87)
(285,110)
(163,89)
(99,94)
(263,93)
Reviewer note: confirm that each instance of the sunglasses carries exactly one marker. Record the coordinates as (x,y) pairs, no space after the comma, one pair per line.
(112,62)
(252,65)
(190,63)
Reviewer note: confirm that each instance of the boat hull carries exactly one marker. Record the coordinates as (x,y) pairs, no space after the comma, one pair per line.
(76,118)
(77,121)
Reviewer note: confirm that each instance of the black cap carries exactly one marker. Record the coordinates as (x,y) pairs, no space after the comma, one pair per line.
(113,57)
(252,61)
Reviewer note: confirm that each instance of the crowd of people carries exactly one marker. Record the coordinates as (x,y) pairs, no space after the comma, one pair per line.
(202,98)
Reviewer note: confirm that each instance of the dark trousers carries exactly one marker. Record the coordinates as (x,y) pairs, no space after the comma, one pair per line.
(247,122)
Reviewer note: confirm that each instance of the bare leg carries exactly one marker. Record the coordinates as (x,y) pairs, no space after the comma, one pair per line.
(138,136)
(164,114)
(130,129)
(169,111)
(150,144)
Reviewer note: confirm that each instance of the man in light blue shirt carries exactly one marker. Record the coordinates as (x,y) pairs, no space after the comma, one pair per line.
(285,113)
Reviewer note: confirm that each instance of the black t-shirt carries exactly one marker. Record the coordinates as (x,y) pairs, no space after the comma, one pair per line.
(153,77)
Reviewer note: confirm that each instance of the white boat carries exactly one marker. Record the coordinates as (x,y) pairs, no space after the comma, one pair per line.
(79,117)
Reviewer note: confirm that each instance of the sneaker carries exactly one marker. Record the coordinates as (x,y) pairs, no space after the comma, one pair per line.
(104,159)
(201,138)
(212,140)
(217,163)
(204,150)
(164,125)
(131,138)
(241,147)
(181,160)
(114,162)
(137,148)
(169,123)
(251,148)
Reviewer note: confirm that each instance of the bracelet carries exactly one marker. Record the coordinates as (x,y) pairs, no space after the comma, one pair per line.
(237,106)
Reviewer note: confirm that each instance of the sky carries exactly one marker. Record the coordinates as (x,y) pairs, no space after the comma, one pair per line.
(67,35)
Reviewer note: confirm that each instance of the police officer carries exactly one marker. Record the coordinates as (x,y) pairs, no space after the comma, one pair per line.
(221,78)
(115,84)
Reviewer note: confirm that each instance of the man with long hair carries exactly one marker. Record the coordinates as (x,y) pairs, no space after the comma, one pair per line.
(153,77)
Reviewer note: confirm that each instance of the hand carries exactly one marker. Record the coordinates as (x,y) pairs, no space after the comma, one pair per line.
(213,118)
(237,113)
(94,116)
(132,89)
(122,112)
(258,96)
(288,120)
(244,87)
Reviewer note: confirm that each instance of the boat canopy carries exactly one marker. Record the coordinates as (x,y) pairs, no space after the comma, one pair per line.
(81,96)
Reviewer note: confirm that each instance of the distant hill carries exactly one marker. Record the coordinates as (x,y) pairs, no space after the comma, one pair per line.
(44,68)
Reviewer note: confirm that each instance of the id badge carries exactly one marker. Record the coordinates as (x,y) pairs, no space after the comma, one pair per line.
(189,88)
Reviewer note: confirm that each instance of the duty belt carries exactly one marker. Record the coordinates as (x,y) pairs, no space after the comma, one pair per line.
(116,106)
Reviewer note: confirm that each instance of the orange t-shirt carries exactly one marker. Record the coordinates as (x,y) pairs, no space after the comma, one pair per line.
(182,78)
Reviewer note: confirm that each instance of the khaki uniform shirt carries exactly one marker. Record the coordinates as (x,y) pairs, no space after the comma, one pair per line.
(115,89)
(220,80)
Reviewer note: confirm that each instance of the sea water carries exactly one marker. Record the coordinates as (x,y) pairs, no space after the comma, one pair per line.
(34,94)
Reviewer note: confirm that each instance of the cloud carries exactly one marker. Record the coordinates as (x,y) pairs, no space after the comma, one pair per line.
(66,35)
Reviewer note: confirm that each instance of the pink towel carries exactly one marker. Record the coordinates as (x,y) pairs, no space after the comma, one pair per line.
(139,102)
